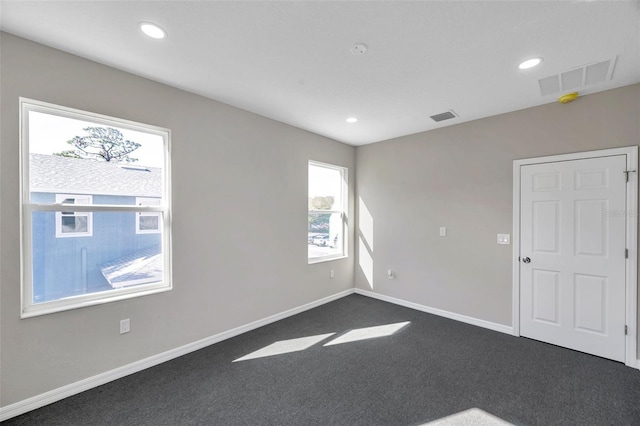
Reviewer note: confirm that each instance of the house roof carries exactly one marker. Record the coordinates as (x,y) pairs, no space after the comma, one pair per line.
(140,267)
(52,173)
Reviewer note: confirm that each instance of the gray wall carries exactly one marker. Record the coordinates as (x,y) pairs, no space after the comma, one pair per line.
(461,177)
(229,164)
(239,235)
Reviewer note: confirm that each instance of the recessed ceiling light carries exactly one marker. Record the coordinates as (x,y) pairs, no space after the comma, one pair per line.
(352,120)
(152,30)
(530,63)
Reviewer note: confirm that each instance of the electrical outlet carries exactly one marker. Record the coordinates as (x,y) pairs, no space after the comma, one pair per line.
(125,326)
(443,231)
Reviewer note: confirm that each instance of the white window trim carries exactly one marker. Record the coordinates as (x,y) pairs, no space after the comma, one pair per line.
(89,215)
(143,201)
(27,208)
(344,203)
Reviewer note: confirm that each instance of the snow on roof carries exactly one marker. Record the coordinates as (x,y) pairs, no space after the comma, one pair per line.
(52,173)
(140,267)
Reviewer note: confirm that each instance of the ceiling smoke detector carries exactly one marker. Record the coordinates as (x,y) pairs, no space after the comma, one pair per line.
(359,49)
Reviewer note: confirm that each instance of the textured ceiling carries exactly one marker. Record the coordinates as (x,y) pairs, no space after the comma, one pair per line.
(291,61)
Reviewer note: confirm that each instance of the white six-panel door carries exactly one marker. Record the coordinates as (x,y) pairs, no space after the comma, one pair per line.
(572,246)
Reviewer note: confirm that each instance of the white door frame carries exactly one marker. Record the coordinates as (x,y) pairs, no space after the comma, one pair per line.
(631,284)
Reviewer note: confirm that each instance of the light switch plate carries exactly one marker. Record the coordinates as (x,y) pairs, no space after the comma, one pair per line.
(504,239)
(443,231)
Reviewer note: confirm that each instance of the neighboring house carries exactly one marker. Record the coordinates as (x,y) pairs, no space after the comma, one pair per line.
(93,251)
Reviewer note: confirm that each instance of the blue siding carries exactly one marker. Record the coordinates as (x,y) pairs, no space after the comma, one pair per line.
(58,266)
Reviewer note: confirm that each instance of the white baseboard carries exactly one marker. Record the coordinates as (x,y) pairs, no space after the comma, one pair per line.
(54,395)
(451,315)
(440,312)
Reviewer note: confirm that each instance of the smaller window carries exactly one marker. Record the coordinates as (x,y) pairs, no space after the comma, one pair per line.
(327,204)
(74,224)
(148,222)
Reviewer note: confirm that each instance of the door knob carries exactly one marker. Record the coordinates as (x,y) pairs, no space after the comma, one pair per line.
(526,260)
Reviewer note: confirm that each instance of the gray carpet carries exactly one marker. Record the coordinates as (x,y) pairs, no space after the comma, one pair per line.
(430,369)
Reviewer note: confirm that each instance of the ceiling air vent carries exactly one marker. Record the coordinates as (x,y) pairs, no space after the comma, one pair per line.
(578,78)
(444,116)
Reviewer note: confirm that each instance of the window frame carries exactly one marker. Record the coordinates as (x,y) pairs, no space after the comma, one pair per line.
(60,214)
(344,205)
(27,208)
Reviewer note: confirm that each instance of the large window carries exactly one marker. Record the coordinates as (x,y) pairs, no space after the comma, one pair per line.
(327,201)
(95,206)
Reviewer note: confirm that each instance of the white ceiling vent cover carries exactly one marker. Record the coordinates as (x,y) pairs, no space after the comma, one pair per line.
(444,116)
(577,78)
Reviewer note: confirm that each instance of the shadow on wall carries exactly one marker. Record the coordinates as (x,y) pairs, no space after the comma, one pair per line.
(365,241)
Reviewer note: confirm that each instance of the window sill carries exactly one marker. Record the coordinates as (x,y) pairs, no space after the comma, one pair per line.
(327,259)
(84,301)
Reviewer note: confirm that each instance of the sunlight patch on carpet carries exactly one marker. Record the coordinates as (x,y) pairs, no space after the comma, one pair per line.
(286,346)
(472,416)
(368,333)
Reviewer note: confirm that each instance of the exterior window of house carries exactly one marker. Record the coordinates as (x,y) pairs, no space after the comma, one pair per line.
(148,222)
(73,224)
(327,202)
(85,177)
